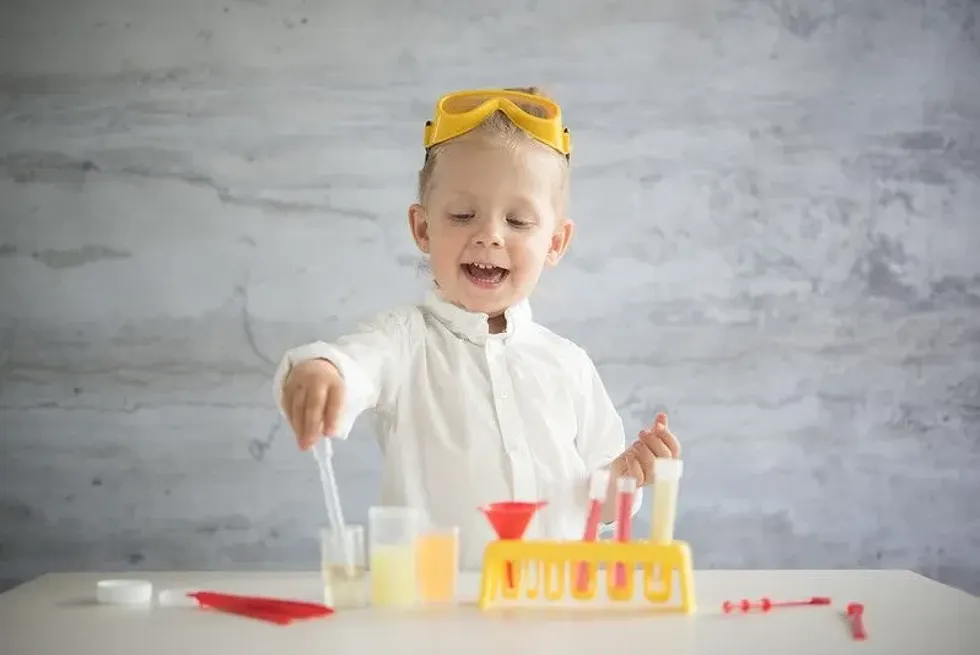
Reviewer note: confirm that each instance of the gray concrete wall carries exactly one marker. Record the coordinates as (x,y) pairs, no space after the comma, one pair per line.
(779,219)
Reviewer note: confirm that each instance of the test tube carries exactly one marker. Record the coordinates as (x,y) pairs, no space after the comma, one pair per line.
(666,480)
(393,535)
(626,489)
(598,490)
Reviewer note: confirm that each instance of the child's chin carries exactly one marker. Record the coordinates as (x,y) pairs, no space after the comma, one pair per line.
(485,305)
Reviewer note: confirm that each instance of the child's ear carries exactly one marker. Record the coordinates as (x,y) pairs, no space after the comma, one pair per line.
(419,225)
(560,240)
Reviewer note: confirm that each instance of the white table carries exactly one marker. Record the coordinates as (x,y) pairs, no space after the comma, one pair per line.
(904,613)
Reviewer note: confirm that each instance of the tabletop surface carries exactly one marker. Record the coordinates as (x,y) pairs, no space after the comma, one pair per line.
(904,613)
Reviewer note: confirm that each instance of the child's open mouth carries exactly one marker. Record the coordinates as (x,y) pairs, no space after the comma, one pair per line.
(485,276)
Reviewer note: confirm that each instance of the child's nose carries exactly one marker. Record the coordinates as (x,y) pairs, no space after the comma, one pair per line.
(488,234)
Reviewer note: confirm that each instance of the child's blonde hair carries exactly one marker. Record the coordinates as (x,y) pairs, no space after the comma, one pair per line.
(499,128)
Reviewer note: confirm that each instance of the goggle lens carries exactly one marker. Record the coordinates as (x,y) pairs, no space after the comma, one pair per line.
(461,104)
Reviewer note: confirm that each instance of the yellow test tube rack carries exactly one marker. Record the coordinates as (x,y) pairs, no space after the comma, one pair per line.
(549,571)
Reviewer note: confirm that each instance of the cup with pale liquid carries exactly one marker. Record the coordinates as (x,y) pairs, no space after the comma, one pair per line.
(342,563)
(438,564)
(393,534)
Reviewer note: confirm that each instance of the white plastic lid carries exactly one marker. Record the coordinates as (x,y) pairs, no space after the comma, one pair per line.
(123,592)
(599,485)
(175,598)
(667,469)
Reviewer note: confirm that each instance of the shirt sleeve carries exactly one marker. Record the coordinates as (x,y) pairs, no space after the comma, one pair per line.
(369,359)
(601,435)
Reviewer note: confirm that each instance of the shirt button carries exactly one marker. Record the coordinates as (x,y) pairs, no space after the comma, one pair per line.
(504,396)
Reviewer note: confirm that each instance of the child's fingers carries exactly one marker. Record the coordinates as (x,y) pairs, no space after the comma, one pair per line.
(313,414)
(672,444)
(297,400)
(661,422)
(655,444)
(332,409)
(644,456)
(634,469)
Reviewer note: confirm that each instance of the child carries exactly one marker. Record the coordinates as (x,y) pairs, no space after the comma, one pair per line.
(474,401)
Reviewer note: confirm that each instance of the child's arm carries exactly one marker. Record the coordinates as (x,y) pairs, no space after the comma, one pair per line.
(601,437)
(367,359)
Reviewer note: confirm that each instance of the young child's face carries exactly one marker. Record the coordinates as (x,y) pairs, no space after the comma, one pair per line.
(491,222)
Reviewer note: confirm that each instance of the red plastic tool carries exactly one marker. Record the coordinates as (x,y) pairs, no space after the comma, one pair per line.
(855,612)
(273,610)
(509,520)
(766,604)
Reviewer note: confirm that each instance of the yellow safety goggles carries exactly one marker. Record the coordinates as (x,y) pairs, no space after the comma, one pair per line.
(459,112)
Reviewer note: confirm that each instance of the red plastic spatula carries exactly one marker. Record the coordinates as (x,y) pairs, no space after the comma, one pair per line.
(273,610)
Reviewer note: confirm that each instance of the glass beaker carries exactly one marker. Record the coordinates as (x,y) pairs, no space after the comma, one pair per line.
(393,532)
(342,563)
(438,564)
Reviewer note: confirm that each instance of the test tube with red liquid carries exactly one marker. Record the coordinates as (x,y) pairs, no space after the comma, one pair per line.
(598,490)
(625,490)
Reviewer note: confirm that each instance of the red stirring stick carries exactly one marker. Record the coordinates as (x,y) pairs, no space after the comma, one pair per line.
(765,604)
(855,612)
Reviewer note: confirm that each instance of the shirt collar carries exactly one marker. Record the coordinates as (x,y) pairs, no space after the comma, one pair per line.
(473,326)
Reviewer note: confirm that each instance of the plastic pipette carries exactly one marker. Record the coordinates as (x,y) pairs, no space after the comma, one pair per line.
(765,604)
(332,497)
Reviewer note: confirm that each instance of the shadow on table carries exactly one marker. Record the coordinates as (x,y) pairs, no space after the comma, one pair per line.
(77,602)
(560,614)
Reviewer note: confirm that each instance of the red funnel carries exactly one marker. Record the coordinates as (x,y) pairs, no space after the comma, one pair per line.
(510,519)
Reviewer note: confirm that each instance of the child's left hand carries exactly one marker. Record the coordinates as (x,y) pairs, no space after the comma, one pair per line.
(658,441)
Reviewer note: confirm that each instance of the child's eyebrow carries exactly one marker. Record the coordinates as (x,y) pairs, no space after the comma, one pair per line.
(526,202)
(459,194)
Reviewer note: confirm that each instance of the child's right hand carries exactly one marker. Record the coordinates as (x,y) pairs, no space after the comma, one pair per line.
(312,399)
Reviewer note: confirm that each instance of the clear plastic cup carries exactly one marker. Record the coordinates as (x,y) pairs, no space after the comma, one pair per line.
(343,565)
(393,534)
(438,564)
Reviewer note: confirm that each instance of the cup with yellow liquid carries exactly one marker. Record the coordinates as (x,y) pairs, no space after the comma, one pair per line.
(438,564)
(393,538)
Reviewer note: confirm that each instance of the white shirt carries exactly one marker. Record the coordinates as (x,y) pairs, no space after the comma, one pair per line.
(466,418)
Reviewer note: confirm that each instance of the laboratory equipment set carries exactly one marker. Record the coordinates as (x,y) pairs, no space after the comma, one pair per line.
(402,563)
(412,564)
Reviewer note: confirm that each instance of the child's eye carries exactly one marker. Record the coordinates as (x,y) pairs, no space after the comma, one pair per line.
(461,217)
(519,222)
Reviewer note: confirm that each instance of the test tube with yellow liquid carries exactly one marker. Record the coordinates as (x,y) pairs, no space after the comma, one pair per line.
(393,536)
(666,482)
